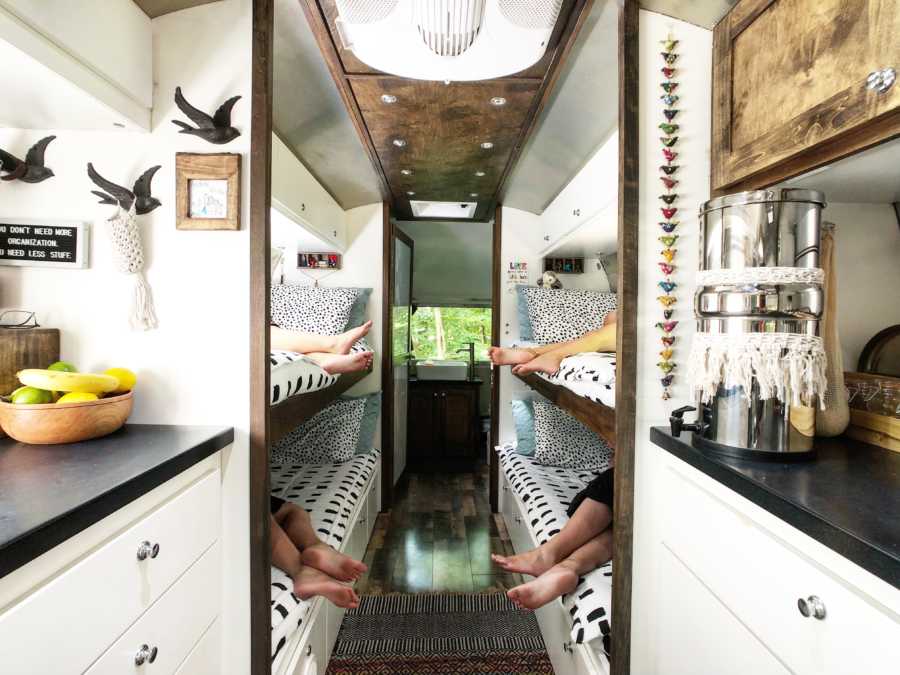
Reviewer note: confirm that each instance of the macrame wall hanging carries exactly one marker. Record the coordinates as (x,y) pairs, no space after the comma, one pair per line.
(669,209)
(129,252)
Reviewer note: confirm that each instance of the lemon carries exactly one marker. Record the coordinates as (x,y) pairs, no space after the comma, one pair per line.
(63,367)
(126,379)
(31,396)
(77,397)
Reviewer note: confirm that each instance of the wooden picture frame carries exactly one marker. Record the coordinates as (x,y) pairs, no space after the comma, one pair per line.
(218,176)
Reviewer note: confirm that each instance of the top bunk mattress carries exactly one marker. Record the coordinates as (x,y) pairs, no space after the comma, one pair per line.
(292,374)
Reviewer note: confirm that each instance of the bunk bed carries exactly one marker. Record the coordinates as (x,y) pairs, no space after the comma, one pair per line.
(597,416)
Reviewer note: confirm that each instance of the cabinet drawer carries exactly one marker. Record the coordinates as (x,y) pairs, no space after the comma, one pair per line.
(205,658)
(761,581)
(172,626)
(311,658)
(335,615)
(104,593)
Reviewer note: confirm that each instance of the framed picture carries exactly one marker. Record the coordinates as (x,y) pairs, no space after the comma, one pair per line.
(207,191)
(319,261)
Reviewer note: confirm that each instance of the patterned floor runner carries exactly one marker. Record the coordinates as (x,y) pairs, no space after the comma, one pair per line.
(483,634)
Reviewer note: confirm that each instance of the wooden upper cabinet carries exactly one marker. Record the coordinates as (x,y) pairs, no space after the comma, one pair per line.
(790,86)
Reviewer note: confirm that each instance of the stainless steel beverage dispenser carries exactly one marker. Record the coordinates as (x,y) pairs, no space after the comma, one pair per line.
(759,273)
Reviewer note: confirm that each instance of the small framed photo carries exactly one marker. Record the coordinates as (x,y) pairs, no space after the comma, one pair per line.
(208,191)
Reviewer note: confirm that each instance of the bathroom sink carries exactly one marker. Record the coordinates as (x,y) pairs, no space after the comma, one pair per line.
(442,370)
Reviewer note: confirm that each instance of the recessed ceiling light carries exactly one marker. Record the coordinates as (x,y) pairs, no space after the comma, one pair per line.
(473,194)
(498,101)
(479,173)
(487,145)
(388,98)
(119,125)
(399,142)
(411,193)
(406,172)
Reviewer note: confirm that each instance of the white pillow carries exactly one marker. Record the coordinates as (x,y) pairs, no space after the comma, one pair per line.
(561,440)
(564,314)
(323,311)
(331,435)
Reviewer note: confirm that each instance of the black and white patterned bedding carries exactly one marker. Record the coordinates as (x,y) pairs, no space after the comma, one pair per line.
(329,493)
(561,440)
(558,315)
(591,375)
(292,374)
(546,492)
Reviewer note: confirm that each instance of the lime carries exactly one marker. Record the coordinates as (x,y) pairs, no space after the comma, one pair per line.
(63,366)
(31,396)
(126,379)
(77,397)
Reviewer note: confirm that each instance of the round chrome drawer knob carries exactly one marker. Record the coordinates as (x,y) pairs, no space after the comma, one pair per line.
(812,607)
(145,654)
(147,550)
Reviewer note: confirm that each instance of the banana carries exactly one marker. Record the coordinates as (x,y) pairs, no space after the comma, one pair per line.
(55,380)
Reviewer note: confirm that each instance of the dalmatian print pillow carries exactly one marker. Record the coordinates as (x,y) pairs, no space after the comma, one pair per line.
(565,314)
(561,440)
(331,435)
(324,311)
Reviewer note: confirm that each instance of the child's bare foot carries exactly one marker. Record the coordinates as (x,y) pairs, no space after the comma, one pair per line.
(309,582)
(334,564)
(534,562)
(545,363)
(555,582)
(345,341)
(344,363)
(508,356)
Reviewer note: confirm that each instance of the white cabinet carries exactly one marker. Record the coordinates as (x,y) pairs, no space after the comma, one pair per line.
(592,191)
(762,578)
(298,196)
(153,580)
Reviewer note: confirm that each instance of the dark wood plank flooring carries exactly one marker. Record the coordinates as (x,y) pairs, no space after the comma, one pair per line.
(438,538)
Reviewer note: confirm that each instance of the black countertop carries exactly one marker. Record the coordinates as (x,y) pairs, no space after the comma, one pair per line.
(49,493)
(848,498)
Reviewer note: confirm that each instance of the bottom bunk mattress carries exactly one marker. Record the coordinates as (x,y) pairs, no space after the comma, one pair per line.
(591,375)
(329,493)
(546,492)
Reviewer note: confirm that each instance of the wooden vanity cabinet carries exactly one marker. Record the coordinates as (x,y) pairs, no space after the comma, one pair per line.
(443,420)
(791,88)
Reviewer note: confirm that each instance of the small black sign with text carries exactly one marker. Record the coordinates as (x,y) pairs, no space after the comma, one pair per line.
(57,244)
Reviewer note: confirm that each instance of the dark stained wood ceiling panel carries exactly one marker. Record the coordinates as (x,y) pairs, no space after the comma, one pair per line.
(443,126)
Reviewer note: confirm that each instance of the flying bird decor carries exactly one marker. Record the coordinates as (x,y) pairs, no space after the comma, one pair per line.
(216,129)
(32,170)
(140,195)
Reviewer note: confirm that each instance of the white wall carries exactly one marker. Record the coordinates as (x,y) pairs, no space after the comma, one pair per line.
(867,261)
(693,74)
(194,368)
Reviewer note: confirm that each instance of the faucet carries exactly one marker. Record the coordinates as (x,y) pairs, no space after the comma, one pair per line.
(470,348)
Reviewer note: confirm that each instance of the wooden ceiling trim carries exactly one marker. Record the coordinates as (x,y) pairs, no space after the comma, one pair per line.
(323,36)
(576,20)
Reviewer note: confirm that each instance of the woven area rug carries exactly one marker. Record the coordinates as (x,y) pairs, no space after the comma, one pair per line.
(439,633)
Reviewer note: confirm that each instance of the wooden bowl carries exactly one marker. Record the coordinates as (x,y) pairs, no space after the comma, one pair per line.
(52,423)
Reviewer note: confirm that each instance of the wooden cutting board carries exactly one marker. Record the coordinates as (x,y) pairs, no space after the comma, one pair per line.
(25,348)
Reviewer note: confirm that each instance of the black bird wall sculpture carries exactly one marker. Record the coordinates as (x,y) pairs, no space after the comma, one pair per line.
(216,129)
(140,196)
(32,170)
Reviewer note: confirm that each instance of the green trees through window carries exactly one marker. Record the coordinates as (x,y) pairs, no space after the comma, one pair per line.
(437,332)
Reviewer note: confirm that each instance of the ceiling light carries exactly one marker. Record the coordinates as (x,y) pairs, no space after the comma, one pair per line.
(479,173)
(487,145)
(406,172)
(399,142)
(388,98)
(498,101)
(410,193)
(473,194)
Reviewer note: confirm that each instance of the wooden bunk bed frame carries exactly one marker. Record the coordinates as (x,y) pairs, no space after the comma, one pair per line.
(285,416)
(596,416)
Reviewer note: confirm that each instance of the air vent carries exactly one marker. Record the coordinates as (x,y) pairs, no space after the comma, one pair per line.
(535,14)
(449,27)
(423,209)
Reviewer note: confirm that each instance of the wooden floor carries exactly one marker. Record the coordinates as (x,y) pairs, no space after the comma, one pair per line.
(438,538)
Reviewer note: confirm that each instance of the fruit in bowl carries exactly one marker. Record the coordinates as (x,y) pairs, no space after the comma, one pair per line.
(88,405)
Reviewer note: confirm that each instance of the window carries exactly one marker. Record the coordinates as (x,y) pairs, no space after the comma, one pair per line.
(437,332)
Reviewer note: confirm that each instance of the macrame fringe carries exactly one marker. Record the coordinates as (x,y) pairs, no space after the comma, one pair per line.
(789,367)
(143,313)
(760,275)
